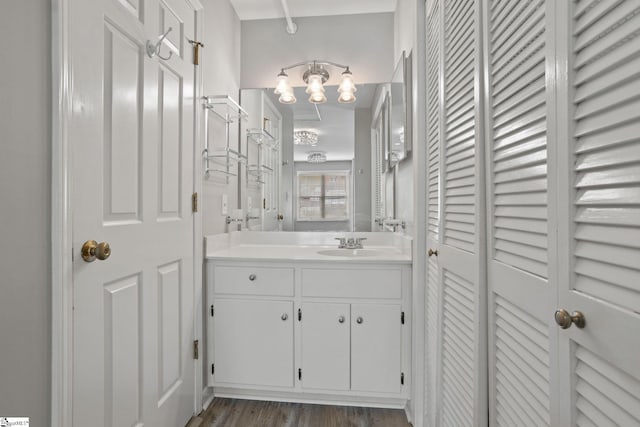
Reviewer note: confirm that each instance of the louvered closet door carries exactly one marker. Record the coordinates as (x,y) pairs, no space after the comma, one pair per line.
(521,262)
(602,278)
(461,385)
(433,291)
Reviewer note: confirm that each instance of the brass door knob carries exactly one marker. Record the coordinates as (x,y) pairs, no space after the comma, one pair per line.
(92,250)
(432,252)
(565,320)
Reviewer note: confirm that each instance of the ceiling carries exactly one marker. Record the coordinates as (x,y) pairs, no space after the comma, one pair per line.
(272,9)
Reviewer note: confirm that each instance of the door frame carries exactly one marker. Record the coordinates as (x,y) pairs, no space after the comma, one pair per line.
(62,217)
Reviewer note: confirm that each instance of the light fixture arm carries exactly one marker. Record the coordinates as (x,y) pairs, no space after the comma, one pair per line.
(316,62)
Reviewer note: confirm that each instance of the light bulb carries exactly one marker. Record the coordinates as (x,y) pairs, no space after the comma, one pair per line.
(318,98)
(346,98)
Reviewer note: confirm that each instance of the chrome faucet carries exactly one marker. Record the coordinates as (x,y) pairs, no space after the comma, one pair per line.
(343,242)
(350,243)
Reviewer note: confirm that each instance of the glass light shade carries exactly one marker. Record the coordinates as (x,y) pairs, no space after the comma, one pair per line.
(283,84)
(317,157)
(347,88)
(287,97)
(314,84)
(347,82)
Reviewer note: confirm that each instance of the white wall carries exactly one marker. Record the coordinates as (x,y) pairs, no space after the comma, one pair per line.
(25,213)
(221,76)
(363,42)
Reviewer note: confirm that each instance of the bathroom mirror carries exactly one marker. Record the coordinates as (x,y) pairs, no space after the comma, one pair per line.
(399,119)
(349,137)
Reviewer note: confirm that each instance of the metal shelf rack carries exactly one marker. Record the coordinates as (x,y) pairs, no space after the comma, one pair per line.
(221,161)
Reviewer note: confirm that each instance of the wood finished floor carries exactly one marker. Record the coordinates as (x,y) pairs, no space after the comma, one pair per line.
(253,413)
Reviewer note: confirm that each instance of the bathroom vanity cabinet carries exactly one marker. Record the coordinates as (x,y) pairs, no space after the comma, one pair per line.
(310,331)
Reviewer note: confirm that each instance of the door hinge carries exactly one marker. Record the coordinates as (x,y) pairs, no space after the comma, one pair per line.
(211,310)
(402,378)
(213,368)
(402,317)
(194,202)
(299,374)
(299,314)
(196,352)
(196,51)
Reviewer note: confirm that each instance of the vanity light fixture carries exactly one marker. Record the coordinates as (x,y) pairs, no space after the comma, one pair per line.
(315,76)
(305,137)
(317,157)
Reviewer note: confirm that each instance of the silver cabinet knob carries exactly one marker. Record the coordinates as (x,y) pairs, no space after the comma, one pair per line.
(252,277)
(359,320)
(284,316)
(341,319)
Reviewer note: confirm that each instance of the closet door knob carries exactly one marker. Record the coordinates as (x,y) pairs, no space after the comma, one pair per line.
(359,320)
(252,277)
(341,319)
(284,316)
(432,252)
(565,320)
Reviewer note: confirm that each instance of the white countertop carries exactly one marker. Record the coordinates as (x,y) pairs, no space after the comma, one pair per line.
(293,246)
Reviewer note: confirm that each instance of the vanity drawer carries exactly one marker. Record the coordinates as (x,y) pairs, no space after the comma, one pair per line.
(253,281)
(352,283)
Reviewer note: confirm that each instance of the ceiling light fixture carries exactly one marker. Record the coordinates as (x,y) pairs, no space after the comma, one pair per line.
(315,76)
(305,137)
(317,157)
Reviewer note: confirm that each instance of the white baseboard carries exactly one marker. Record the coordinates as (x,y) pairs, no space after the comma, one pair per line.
(313,398)
(207,397)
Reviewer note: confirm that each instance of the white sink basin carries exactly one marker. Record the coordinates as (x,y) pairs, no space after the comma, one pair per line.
(354,253)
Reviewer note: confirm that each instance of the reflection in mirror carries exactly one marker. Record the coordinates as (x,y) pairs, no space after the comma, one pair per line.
(400,126)
(330,188)
(383,176)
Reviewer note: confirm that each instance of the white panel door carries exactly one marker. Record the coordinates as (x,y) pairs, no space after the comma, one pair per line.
(325,345)
(600,221)
(132,143)
(254,342)
(522,262)
(371,325)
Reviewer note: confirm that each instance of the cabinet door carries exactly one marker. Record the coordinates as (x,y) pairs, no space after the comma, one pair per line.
(325,346)
(375,347)
(253,342)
